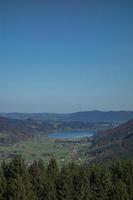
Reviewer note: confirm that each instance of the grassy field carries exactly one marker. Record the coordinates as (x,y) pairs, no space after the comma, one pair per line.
(44,148)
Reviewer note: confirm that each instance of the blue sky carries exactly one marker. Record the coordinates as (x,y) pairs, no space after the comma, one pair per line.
(66,56)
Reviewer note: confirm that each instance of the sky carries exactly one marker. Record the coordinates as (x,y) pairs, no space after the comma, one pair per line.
(66,55)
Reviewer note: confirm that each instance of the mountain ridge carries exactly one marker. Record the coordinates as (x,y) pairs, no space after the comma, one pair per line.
(91,116)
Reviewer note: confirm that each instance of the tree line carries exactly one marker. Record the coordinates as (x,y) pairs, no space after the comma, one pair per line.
(20,181)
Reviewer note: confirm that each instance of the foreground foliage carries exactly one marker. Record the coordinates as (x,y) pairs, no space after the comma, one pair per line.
(20,181)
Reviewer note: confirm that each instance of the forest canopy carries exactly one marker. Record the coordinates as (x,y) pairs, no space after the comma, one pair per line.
(21,181)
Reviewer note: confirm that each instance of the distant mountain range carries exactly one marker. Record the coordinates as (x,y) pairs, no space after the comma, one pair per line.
(116,143)
(89,116)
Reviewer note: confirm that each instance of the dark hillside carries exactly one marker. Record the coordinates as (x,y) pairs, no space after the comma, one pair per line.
(112,144)
(115,134)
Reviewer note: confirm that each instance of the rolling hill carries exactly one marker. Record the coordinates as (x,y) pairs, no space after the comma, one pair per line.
(14,130)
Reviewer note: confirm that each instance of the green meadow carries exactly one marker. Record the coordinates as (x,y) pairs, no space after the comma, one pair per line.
(44,148)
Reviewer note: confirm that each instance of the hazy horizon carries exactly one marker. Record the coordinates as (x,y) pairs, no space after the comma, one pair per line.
(66,56)
(43,112)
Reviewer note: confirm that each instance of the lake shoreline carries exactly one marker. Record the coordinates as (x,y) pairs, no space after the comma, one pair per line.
(70,135)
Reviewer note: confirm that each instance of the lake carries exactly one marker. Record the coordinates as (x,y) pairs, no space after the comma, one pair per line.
(70,134)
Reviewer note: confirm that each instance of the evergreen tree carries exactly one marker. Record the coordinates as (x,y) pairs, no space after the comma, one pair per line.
(100,180)
(81,184)
(64,184)
(52,177)
(2,183)
(127,177)
(39,180)
(71,182)
(18,181)
(119,191)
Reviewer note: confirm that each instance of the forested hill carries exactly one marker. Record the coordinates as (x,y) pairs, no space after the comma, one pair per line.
(90,116)
(119,133)
(115,143)
(13,130)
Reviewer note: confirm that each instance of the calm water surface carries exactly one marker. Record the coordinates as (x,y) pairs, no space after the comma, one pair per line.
(70,134)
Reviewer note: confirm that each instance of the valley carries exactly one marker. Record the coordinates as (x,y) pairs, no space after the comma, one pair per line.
(67,141)
(64,150)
